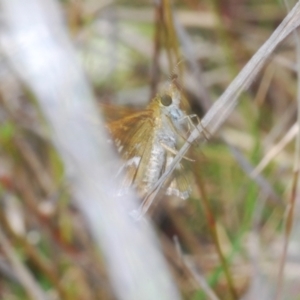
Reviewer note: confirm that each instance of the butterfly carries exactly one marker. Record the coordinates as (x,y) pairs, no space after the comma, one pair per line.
(147,142)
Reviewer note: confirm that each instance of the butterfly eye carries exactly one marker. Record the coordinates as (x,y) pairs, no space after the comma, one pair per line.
(166,100)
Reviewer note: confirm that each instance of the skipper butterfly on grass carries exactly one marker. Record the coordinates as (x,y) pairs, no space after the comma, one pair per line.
(147,142)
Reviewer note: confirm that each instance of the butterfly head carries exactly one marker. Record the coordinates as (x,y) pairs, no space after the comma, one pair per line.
(169,102)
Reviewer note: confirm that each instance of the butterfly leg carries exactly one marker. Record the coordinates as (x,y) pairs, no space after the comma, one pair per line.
(205,132)
(173,151)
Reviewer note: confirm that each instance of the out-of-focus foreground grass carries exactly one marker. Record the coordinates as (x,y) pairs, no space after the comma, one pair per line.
(227,240)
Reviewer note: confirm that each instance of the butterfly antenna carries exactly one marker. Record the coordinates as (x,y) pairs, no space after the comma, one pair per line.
(176,70)
(174,77)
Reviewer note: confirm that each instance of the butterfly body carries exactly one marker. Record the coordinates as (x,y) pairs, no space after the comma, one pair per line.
(147,142)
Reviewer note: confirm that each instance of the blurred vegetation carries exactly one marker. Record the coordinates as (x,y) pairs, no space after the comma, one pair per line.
(230,232)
